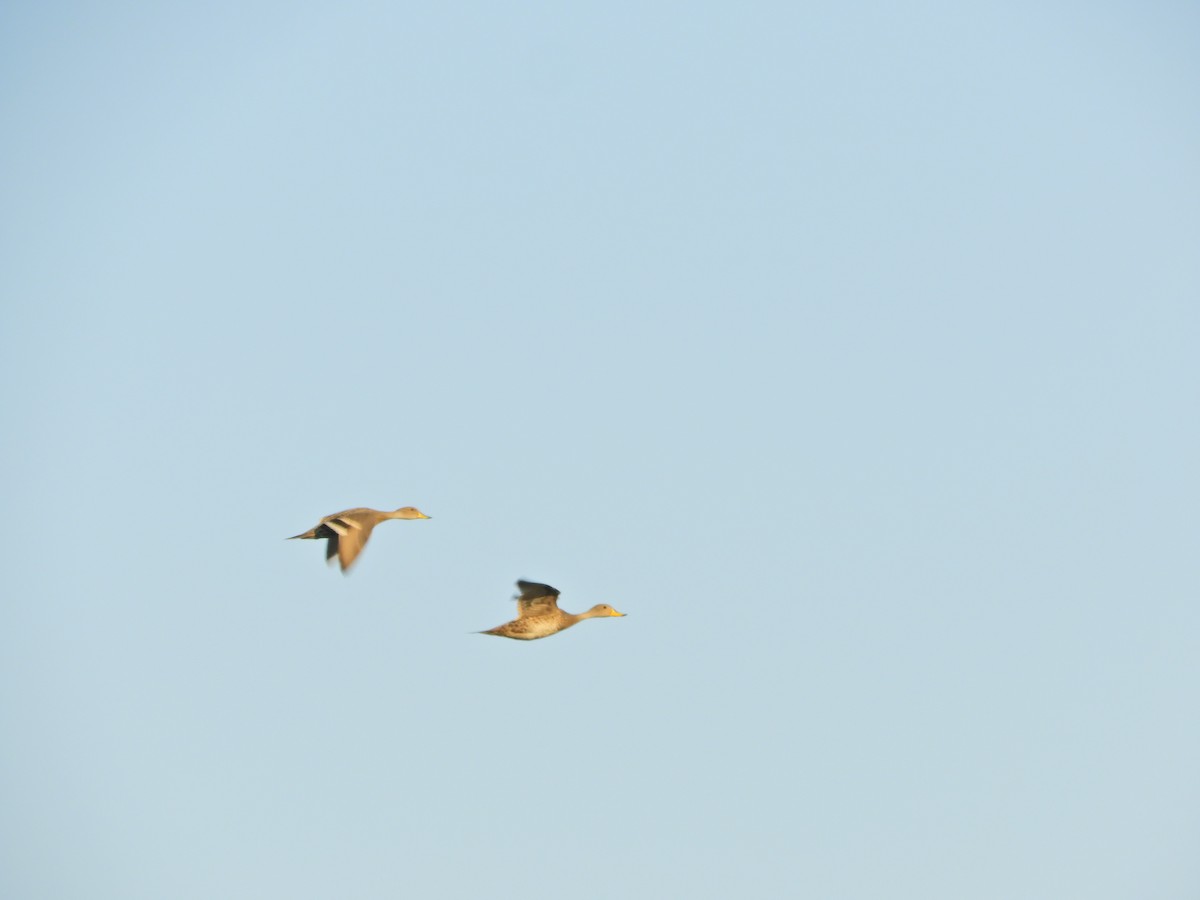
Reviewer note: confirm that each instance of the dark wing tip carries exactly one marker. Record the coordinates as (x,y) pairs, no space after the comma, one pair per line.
(531,590)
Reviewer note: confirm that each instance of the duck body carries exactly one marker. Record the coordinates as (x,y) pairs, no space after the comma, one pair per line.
(348,531)
(531,628)
(538,615)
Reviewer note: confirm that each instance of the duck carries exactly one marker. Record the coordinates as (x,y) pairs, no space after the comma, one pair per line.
(349,530)
(538,615)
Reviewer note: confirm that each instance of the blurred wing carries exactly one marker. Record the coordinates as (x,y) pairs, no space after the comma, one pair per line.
(535,599)
(352,536)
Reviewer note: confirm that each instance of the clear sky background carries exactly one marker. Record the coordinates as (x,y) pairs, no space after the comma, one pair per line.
(849,348)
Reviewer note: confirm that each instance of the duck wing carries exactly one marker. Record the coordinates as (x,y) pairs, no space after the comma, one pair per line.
(349,535)
(535,599)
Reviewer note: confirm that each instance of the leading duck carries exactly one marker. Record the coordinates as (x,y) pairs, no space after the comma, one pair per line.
(538,615)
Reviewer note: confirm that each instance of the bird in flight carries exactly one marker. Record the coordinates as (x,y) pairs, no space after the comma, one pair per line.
(347,532)
(538,615)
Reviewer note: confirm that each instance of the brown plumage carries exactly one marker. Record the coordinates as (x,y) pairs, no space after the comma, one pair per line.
(538,615)
(347,532)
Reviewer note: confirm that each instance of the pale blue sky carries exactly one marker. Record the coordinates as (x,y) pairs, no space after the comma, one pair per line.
(849,348)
